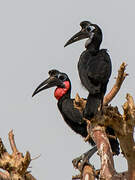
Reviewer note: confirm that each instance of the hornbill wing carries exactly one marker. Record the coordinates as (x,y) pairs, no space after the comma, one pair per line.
(100,68)
(73,118)
(99,71)
(70,112)
(94,70)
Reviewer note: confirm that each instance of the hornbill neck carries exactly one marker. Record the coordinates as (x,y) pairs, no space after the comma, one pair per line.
(66,96)
(63,93)
(95,43)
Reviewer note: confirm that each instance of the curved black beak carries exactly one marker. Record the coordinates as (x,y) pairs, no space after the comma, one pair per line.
(78,36)
(48,83)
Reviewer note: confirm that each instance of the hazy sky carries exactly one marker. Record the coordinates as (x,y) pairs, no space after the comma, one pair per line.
(32,36)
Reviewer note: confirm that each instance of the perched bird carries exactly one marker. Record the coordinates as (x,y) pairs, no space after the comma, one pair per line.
(94,67)
(71,115)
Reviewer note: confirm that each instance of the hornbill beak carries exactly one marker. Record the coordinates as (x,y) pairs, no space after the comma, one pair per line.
(48,83)
(78,36)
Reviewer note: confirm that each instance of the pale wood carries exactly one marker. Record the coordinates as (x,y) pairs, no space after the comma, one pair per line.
(15,165)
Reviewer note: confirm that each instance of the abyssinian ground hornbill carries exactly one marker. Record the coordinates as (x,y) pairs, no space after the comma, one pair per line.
(71,115)
(94,67)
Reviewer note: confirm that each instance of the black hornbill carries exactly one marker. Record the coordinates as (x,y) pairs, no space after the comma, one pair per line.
(71,115)
(94,66)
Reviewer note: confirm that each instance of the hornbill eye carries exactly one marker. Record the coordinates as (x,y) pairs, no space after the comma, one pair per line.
(61,77)
(88,28)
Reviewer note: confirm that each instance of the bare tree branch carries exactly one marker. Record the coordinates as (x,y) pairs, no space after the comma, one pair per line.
(15,165)
(12,142)
(119,80)
(107,165)
(123,126)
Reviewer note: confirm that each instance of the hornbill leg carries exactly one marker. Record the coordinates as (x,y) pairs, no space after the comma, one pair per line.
(83,159)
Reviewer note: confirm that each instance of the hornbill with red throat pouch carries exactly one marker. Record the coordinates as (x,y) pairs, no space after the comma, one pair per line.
(94,67)
(71,115)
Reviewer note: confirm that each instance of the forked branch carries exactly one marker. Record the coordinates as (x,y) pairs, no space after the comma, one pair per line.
(15,165)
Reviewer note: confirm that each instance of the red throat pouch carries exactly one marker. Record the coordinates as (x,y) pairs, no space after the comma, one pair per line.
(59,92)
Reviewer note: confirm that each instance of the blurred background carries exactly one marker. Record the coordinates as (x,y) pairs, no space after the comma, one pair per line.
(32,38)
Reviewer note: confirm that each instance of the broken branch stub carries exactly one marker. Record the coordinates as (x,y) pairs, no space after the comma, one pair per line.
(15,165)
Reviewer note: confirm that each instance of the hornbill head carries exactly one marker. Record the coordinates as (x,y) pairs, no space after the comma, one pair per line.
(88,30)
(58,79)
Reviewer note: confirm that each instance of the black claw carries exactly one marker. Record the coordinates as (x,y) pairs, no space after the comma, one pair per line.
(80,161)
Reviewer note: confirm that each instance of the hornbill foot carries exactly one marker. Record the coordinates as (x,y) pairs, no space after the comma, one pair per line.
(80,161)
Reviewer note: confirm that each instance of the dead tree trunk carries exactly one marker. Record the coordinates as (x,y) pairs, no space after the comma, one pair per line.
(123,126)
